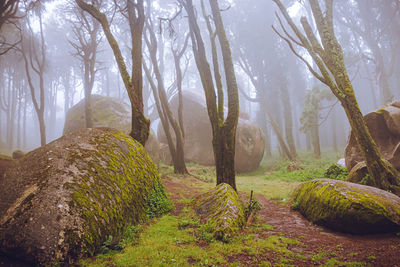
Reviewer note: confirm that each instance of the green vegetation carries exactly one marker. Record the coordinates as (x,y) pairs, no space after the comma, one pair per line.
(184,240)
(335,171)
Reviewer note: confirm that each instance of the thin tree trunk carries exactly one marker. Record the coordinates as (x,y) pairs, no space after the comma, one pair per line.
(287,110)
(278,133)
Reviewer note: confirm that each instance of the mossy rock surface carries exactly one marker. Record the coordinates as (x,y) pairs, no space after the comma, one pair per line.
(62,201)
(348,207)
(17,154)
(108,112)
(221,210)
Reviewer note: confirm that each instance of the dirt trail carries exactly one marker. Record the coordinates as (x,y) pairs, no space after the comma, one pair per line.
(375,250)
(378,250)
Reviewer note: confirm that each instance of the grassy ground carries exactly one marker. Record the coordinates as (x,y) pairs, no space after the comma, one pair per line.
(179,240)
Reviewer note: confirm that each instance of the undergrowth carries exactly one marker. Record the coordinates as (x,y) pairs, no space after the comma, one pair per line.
(183,240)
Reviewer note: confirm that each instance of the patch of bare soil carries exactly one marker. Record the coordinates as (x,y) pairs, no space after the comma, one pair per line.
(318,244)
(378,250)
(176,191)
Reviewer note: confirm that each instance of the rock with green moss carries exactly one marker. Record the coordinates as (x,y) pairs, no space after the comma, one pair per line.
(108,112)
(359,174)
(348,207)
(384,127)
(221,210)
(66,199)
(17,154)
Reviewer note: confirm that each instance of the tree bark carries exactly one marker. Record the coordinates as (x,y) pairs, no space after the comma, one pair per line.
(133,84)
(328,56)
(223,131)
(287,110)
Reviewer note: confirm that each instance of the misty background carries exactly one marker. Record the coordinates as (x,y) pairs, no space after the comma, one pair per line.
(58,37)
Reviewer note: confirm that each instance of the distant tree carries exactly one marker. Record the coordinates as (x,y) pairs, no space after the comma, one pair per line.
(223,130)
(264,61)
(328,56)
(8,15)
(33,51)
(310,118)
(134,13)
(86,40)
(160,95)
(377,36)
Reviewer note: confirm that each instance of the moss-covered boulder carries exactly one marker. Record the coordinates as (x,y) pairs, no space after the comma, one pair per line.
(384,126)
(108,112)
(64,200)
(359,174)
(221,210)
(17,154)
(348,207)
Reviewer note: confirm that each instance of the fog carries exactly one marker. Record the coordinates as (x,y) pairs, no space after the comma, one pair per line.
(53,54)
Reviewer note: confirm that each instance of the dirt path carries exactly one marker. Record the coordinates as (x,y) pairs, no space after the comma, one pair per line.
(317,243)
(378,250)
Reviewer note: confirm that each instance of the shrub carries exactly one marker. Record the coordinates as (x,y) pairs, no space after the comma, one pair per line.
(335,171)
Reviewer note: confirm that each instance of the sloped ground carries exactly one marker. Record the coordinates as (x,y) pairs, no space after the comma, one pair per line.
(317,245)
(277,237)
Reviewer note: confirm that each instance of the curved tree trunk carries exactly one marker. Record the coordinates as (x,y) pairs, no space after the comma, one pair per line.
(328,56)
(287,110)
(133,84)
(223,131)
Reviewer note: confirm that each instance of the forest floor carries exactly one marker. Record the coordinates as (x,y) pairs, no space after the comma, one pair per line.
(278,236)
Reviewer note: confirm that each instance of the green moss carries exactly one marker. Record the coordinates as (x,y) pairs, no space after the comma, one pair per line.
(7,158)
(118,186)
(223,211)
(346,206)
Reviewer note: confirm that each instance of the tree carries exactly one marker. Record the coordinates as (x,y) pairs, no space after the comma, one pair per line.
(223,130)
(328,56)
(164,110)
(34,53)
(134,82)
(8,15)
(377,36)
(311,115)
(263,60)
(86,43)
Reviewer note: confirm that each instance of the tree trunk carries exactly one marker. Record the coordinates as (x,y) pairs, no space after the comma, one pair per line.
(287,110)
(328,55)
(133,83)
(334,134)
(315,140)
(163,107)
(224,154)
(278,132)
(224,131)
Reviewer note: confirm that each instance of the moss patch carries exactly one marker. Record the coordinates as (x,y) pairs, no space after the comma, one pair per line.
(120,186)
(348,207)
(223,211)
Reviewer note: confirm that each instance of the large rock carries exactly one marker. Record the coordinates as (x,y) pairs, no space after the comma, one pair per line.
(108,112)
(250,141)
(348,207)
(384,126)
(222,211)
(64,200)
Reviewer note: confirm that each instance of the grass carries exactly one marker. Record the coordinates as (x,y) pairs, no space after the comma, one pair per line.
(171,241)
(181,240)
